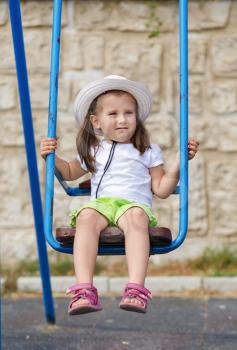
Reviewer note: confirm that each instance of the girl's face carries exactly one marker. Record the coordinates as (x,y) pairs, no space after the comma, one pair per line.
(116,116)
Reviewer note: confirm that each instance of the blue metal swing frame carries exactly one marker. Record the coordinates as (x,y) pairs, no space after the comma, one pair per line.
(18,41)
(52,122)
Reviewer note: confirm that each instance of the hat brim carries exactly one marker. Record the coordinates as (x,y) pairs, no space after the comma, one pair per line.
(87,95)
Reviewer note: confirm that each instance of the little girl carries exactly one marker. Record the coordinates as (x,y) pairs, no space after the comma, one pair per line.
(126,171)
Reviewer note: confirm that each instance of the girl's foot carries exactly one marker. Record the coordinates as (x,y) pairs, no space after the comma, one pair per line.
(135,298)
(85,299)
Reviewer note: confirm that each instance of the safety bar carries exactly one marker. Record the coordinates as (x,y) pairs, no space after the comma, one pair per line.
(78,191)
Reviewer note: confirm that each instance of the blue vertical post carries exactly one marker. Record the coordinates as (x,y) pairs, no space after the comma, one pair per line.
(183,25)
(183,199)
(52,126)
(23,88)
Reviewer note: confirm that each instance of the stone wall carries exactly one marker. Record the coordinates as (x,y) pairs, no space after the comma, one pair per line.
(112,37)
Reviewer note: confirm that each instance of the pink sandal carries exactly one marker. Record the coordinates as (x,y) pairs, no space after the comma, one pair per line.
(138,292)
(87,292)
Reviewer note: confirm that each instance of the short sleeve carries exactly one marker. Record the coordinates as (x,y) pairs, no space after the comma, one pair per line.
(155,157)
(82,163)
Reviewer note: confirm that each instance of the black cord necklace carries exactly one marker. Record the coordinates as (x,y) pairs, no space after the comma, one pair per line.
(111,154)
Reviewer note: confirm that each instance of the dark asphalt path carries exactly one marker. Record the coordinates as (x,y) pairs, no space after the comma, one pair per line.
(170,324)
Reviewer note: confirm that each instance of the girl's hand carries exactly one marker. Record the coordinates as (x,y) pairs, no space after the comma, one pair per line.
(192,148)
(48,146)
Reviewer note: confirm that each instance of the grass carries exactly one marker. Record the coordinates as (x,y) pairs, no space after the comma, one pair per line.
(63,267)
(212,263)
(217,263)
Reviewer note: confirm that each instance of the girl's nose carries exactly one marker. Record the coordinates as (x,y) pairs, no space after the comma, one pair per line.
(121,118)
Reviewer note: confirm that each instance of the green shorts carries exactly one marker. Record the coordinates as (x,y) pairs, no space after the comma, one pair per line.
(112,209)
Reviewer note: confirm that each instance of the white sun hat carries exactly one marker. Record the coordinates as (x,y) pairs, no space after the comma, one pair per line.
(112,82)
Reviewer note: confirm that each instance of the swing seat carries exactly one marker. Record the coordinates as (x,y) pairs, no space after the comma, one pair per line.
(85,185)
(113,236)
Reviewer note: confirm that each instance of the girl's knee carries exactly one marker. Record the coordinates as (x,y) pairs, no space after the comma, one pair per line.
(137,214)
(91,217)
(134,218)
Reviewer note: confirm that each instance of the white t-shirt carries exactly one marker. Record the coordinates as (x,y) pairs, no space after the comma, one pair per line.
(128,175)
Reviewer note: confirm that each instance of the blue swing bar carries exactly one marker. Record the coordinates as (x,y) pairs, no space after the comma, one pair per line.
(23,88)
(50,161)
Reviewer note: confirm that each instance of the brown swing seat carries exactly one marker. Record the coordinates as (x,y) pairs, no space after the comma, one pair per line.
(112,235)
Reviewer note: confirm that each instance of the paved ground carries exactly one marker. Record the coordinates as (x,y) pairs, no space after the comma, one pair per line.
(170,324)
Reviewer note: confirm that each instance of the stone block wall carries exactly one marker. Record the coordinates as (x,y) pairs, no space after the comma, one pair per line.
(112,37)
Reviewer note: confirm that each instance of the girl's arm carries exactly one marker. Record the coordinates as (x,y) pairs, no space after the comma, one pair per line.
(71,170)
(164,183)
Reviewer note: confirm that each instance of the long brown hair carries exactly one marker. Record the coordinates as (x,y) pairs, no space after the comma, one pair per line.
(87,140)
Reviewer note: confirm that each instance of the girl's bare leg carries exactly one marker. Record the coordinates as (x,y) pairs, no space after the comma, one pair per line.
(134,223)
(88,227)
